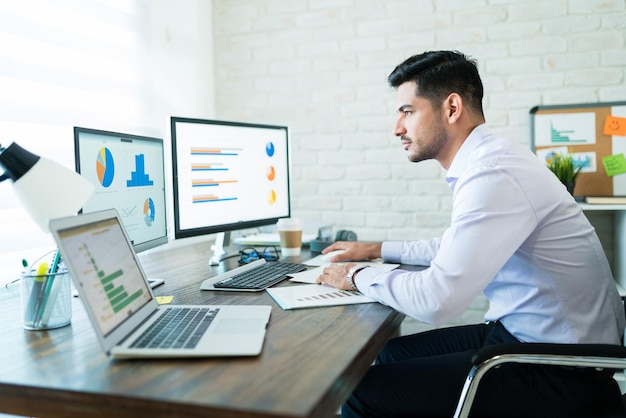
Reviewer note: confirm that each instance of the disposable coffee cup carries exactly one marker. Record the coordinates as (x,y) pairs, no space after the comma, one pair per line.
(46,300)
(290,231)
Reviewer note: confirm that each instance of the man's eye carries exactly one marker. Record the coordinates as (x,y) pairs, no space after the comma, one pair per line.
(407,112)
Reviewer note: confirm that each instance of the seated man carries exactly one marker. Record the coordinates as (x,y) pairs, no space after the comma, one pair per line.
(516,235)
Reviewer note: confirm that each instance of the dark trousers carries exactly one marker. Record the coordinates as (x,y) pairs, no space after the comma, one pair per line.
(422,375)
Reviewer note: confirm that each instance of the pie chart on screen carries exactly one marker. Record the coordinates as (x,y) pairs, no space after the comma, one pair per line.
(148,211)
(271,173)
(105,167)
(271,197)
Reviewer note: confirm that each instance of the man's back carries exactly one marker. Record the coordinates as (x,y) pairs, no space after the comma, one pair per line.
(557,286)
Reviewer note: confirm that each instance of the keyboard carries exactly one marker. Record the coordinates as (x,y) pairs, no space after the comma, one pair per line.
(260,277)
(177,328)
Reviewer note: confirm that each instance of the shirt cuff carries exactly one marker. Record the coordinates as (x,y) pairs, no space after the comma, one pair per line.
(364,279)
(391,251)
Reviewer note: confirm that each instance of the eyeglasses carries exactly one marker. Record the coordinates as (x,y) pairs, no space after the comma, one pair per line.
(248,255)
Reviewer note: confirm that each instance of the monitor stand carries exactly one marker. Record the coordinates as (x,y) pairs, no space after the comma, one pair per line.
(222,242)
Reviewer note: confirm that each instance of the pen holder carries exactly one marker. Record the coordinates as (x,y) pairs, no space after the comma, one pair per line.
(46,300)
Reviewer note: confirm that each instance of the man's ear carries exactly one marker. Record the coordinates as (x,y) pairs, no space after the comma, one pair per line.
(453,107)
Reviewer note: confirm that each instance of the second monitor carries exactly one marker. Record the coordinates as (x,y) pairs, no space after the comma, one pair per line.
(228,176)
(128,173)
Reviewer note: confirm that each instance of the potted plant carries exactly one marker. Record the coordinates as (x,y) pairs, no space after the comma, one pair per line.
(566,169)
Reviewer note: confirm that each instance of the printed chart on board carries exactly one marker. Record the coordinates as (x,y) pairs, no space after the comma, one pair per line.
(594,134)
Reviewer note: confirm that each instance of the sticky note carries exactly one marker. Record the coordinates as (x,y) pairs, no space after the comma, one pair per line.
(164,300)
(614,125)
(614,164)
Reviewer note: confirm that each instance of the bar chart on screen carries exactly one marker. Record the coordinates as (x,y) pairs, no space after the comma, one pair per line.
(111,296)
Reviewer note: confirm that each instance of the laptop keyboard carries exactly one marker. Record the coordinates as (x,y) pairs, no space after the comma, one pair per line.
(261,277)
(177,328)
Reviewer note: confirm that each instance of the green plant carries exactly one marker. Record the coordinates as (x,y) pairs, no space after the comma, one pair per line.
(564,167)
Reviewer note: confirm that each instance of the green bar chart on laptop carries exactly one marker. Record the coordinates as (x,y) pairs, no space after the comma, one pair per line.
(117,295)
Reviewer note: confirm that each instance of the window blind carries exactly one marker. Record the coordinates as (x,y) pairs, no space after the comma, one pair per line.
(65,63)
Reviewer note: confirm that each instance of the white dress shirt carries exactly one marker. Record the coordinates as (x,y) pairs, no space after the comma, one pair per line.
(517,236)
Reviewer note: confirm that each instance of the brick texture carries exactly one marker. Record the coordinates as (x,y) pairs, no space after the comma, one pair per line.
(320,66)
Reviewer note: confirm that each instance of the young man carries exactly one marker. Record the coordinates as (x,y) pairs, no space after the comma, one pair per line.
(516,235)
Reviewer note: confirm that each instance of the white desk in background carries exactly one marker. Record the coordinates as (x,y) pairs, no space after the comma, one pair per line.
(617,256)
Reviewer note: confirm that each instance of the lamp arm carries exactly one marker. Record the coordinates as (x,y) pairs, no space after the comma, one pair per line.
(4,176)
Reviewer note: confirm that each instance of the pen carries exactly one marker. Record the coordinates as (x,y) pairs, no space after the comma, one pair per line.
(42,269)
(36,292)
(55,262)
(52,297)
(45,299)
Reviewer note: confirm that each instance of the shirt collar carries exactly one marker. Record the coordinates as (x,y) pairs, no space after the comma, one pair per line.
(461,159)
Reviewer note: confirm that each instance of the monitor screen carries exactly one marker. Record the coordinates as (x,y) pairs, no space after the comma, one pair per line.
(128,172)
(228,175)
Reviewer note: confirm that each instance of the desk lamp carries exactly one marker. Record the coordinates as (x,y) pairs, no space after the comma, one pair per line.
(46,189)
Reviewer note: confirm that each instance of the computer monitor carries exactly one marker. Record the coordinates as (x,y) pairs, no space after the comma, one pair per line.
(128,172)
(228,176)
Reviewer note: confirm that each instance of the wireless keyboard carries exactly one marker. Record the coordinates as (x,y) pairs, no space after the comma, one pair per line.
(256,276)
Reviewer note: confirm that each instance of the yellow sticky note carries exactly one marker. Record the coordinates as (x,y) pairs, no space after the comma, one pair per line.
(614,164)
(164,300)
(614,125)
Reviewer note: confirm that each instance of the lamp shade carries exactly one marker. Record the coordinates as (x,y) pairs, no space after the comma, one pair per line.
(47,189)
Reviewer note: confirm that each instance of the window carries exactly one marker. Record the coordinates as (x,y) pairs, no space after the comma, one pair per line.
(66,63)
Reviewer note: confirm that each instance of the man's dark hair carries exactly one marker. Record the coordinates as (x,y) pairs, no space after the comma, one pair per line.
(437,74)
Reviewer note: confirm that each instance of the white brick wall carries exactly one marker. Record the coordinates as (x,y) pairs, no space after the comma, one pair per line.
(320,66)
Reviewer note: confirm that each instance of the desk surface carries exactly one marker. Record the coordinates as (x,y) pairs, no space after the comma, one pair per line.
(311,361)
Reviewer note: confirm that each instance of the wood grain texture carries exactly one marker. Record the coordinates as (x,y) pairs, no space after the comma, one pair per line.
(311,361)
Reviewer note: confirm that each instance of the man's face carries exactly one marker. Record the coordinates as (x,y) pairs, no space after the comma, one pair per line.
(419,126)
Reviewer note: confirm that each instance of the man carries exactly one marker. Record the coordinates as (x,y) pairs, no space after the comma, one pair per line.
(516,235)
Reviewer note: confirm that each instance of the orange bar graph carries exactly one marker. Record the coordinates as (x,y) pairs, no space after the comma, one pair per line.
(211,182)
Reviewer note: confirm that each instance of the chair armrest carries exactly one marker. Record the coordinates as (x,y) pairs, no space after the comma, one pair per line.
(581,350)
(603,356)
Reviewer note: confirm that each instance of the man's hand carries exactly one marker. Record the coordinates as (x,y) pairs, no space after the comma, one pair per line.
(354,251)
(335,275)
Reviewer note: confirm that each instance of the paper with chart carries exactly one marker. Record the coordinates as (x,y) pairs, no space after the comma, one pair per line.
(314,295)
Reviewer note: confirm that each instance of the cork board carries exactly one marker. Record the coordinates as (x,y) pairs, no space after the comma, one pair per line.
(589,133)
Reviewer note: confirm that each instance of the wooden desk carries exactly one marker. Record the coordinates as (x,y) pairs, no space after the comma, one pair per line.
(311,361)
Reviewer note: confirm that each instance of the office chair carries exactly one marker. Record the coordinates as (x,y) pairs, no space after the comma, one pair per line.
(603,356)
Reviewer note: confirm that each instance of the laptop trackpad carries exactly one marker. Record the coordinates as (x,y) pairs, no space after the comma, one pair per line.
(239,326)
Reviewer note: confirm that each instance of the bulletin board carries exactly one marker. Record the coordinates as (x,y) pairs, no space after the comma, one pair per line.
(594,134)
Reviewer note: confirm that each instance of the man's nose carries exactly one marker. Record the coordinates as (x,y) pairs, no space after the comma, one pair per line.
(398,127)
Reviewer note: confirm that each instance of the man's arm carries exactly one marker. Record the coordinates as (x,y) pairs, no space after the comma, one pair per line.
(489,223)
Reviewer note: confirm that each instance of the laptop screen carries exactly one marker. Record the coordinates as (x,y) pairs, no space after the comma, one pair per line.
(109,275)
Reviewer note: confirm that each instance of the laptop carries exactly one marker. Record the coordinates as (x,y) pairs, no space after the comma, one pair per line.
(121,305)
